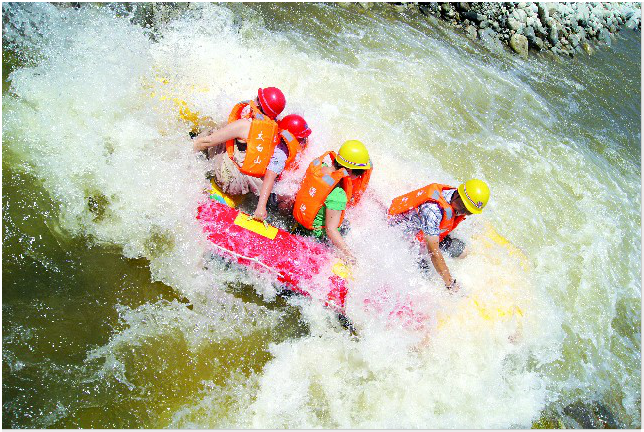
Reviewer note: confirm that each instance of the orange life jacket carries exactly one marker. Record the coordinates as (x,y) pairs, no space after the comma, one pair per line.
(261,142)
(294,148)
(359,185)
(316,186)
(430,193)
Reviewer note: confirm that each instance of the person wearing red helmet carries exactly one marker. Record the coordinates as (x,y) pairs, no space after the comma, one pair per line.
(256,148)
(294,133)
(271,100)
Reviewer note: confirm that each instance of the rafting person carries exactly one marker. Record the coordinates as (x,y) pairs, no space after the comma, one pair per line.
(294,135)
(327,190)
(251,150)
(432,213)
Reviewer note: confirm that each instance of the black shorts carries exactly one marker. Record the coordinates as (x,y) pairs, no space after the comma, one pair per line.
(452,246)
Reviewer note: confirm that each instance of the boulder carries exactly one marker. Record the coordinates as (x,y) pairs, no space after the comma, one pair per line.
(519,44)
(514,24)
(604,36)
(553,35)
(537,43)
(631,23)
(473,16)
(487,34)
(470,31)
(528,32)
(542,12)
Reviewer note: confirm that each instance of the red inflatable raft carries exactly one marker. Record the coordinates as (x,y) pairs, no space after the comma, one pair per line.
(300,264)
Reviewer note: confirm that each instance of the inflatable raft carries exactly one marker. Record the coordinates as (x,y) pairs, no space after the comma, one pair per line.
(307,267)
(300,264)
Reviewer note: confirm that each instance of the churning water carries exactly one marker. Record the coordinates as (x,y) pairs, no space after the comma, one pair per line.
(115,317)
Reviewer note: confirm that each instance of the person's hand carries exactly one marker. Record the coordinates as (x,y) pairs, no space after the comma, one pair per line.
(350,260)
(260,214)
(198,145)
(453,287)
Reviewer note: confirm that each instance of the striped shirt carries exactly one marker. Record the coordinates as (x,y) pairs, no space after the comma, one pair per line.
(427,219)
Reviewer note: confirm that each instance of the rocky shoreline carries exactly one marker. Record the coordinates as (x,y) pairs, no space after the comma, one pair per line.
(562,28)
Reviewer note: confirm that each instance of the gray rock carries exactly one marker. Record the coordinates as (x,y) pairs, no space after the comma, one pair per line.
(543,12)
(537,43)
(484,24)
(447,10)
(487,34)
(550,23)
(529,33)
(514,24)
(473,16)
(553,35)
(532,21)
(564,32)
(428,8)
(519,44)
(604,36)
(581,33)
(631,23)
(470,31)
(496,26)
(574,40)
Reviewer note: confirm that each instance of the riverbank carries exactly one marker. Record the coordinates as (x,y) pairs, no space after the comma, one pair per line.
(562,28)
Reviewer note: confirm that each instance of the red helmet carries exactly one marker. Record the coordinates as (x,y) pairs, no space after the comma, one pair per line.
(272,101)
(296,125)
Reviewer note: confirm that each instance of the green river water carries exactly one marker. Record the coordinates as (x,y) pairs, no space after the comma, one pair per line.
(114,317)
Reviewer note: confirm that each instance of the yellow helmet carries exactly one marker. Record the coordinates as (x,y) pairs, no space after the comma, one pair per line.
(353,154)
(474,194)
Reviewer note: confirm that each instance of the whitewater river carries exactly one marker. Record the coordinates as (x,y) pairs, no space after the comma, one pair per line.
(114,316)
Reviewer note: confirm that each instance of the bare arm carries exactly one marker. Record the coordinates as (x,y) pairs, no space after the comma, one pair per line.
(267,187)
(332,224)
(236,130)
(439,262)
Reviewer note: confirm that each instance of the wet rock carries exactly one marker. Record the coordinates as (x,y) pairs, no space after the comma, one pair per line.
(463,6)
(473,16)
(514,24)
(519,44)
(553,35)
(562,27)
(537,43)
(542,12)
(470,31)
(528,32)
(604,36)
(487,34)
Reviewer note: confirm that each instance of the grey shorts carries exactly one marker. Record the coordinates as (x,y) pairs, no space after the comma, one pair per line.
(452,246)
